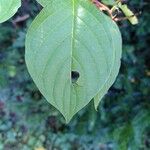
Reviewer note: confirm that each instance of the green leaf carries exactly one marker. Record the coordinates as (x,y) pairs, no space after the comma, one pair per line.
(8,8)
(44,2)
(71,39)
(108,2)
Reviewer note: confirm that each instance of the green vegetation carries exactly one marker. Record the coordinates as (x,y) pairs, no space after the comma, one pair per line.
(29,122)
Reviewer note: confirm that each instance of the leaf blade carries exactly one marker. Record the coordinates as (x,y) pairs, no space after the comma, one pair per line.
(44,2)
(117,46)
(64,38)
(8,8)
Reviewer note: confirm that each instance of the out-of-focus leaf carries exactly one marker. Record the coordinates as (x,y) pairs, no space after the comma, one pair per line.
(44,2)
(140,123)
(109,2)
(128,13)
(8,8)
(123,135)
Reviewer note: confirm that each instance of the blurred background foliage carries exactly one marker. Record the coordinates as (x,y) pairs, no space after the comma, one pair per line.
(28,122)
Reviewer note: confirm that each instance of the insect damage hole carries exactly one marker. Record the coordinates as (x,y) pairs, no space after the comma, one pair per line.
(74,76)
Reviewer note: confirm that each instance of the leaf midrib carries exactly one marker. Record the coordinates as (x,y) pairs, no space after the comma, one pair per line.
(72,45)
(73,30)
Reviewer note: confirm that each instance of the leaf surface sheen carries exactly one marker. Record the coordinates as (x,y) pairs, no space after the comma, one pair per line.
(71,36)
(8,8)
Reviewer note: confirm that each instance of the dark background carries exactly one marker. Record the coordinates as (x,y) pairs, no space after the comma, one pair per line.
(29,122)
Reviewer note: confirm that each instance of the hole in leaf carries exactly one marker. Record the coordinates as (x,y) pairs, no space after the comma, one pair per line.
(74,76)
